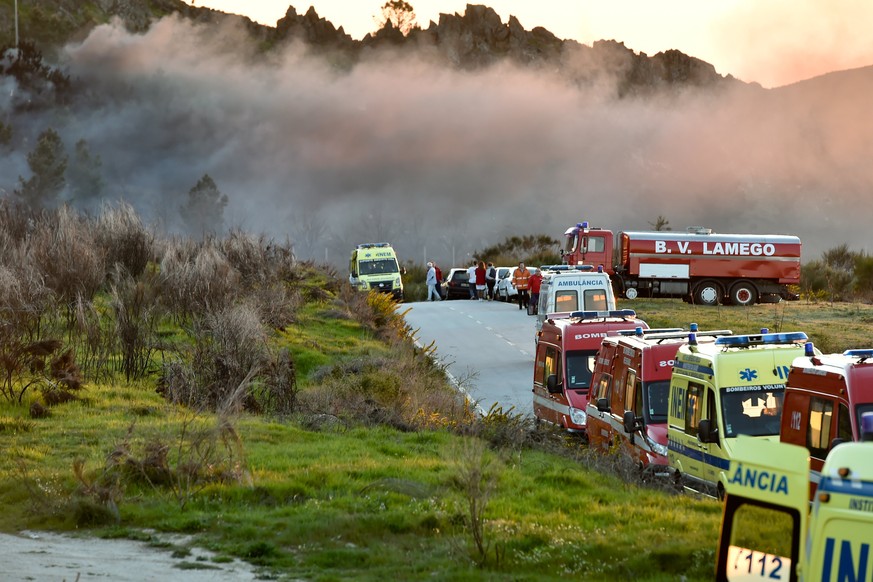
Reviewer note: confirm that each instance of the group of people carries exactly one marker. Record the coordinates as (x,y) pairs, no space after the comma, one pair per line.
(483,280)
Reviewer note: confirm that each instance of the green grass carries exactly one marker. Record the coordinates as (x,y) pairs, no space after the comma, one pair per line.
(345,502)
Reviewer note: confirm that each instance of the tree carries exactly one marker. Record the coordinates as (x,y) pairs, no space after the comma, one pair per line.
(48,162)
(661,223)
(204,211)
(86,181)
(400,14)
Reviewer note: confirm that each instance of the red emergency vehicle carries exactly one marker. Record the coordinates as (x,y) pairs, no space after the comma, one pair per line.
(698,265)
(566,350)
(631,391)
(825,398)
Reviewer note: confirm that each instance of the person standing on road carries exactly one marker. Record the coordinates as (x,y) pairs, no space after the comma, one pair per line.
(480,281)
(490,280)
(432,282)
(439,277)
(535,281)
(471,278)
(521,281)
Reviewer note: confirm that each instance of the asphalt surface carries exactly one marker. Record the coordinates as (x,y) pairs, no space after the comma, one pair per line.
(488,347)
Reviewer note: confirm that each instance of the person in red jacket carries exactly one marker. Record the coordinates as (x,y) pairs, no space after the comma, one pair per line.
(480,280)
(535,281)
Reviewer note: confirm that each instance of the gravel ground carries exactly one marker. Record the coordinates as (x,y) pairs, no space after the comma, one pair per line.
(50,557)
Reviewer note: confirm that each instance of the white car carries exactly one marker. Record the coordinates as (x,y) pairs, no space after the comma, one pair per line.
(504,289)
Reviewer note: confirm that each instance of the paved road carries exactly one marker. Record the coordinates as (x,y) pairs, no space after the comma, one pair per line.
(488,346)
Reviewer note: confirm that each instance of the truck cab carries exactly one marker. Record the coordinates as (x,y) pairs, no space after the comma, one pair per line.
(374,267)
(768,531)
(825,398)
(631,389)
(565,354)
(720,390)
(565,291)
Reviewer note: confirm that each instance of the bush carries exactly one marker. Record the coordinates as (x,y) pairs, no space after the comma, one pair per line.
(197,279)
(124,239)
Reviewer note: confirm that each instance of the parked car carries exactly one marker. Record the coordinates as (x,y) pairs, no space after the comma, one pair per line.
(457,284)
(504,289)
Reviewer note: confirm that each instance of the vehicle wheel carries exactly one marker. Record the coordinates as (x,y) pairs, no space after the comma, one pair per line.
(707,293)
(743,294)
(631,293)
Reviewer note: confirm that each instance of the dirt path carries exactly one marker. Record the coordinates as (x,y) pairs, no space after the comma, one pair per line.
(51,557)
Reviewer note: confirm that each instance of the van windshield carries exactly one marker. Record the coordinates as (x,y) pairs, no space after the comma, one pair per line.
(378,267)
(579,367)
(657,397)
(752,410)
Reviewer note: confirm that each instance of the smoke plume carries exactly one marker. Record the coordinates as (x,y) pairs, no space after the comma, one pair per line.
(442,162)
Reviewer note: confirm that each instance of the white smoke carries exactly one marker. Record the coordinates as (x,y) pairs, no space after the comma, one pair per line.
(443,162)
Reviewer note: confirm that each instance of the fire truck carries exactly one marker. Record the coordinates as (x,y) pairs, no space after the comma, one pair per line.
(631,389)
(768,531)
(825,398)
(566,349)
(698,265)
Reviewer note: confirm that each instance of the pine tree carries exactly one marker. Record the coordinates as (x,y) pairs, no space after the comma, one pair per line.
(204,211)
(48,162)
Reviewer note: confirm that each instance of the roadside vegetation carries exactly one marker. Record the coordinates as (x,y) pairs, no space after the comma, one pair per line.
(222,389)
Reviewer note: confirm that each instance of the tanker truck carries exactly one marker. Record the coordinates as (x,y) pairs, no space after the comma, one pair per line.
(698,265)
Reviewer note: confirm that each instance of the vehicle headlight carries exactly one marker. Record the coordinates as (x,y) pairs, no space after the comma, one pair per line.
(364,285)
(660,449)
(578,416)
(397,282)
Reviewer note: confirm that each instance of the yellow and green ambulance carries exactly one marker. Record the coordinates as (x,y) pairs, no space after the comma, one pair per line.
(768,531)
(720,390)
(374,267)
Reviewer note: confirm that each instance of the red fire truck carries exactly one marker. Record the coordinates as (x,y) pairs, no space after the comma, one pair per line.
(631,391)
(825,398)
(566,349)
(698,265)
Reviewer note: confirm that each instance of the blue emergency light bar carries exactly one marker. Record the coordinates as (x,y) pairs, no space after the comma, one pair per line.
(561,268)
(863,354)
(744,341)
(867,426)
(599,314)
(658,332)
(373,245)
(809,349)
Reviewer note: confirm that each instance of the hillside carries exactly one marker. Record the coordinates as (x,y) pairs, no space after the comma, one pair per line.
(471,40)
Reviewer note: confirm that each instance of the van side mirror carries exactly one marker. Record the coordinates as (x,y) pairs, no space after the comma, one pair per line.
(706,432)
(631,422)
(603,405)
(402,270)
(552,384)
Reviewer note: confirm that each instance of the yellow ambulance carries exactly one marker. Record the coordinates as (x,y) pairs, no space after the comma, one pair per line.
(767,530)
(720,390)
(374,267)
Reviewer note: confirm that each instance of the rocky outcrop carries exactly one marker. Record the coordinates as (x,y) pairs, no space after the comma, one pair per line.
(477,38)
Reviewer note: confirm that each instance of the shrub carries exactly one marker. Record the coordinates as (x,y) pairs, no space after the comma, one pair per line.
(66,253)
(124,239)
(197,279)
(136,308)
(229,349)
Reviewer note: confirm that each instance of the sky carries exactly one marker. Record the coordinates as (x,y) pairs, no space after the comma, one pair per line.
(771,42)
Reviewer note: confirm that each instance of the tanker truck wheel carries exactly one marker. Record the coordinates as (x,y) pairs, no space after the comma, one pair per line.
(743,294)
(707,293)
(630,293)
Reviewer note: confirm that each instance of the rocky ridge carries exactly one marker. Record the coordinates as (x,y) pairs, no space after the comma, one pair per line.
(477,38)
